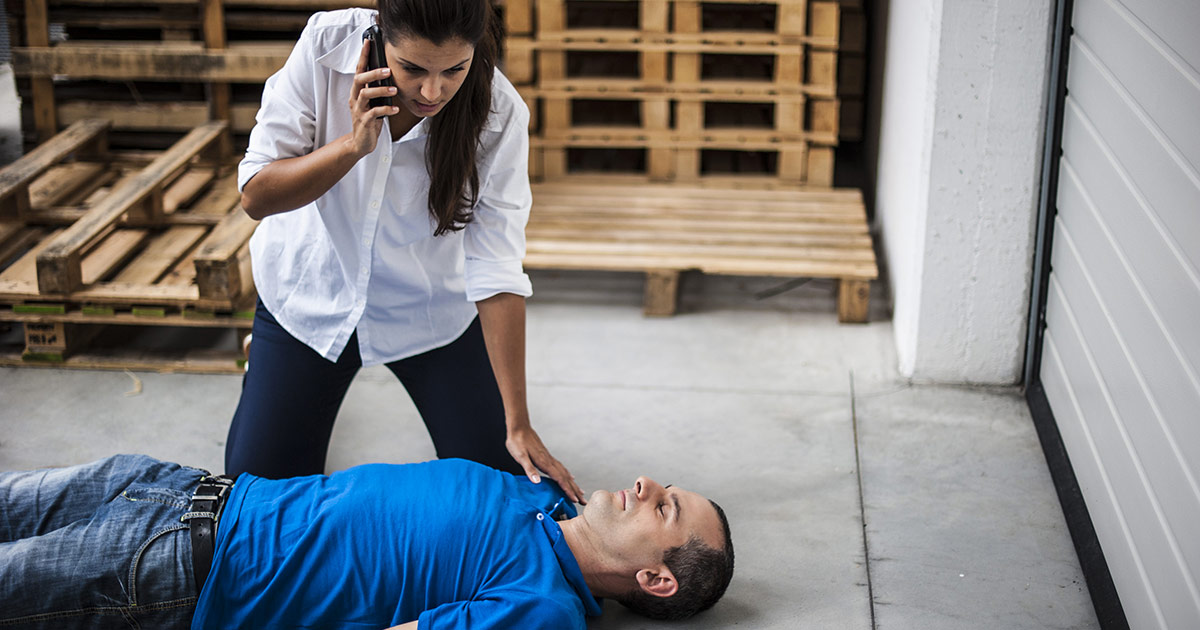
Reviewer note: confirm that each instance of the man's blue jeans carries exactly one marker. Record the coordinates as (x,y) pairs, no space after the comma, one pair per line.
(97,546)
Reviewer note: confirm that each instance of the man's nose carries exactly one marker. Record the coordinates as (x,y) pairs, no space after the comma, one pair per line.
(646,487)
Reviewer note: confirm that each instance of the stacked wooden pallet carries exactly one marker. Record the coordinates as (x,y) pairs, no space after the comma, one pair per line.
(90,237)
(674,135)
(679,90)
(152,68)
(852,71)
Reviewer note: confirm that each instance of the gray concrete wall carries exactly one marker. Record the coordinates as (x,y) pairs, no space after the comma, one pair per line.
(957,185)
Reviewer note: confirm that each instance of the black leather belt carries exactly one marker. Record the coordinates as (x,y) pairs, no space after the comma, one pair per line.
(202,518)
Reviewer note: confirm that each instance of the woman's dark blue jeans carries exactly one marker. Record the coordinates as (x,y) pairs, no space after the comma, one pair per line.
(291,396)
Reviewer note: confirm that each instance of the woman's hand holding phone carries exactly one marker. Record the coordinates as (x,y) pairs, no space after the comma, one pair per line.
(367,117)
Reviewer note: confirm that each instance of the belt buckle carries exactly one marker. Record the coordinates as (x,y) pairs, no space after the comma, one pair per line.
(209,484)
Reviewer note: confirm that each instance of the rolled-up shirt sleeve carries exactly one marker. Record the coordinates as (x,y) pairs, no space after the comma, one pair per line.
(286,123)
(494,241)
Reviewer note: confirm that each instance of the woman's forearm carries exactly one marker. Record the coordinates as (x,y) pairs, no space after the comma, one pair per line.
(502,317)
(291,183)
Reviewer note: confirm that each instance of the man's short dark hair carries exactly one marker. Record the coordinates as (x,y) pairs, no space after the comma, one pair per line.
(702,572)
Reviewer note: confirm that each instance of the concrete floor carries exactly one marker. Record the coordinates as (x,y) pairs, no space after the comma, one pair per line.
(857,500)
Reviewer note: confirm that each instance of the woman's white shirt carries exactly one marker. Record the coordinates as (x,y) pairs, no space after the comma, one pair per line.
(363,256)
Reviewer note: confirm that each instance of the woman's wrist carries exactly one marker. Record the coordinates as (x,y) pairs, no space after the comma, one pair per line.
(517,422)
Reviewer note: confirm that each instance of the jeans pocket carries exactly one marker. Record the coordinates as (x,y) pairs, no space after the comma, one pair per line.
(169,497)
(160,572)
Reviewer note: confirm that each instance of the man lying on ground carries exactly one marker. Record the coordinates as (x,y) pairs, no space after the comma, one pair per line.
(129,540)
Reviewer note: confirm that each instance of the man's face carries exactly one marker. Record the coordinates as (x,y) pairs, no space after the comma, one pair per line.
(638,524)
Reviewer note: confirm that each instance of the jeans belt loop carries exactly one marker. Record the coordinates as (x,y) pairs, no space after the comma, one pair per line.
(202,518)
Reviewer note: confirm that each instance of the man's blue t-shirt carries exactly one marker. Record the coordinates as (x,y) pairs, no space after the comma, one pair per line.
(450,542)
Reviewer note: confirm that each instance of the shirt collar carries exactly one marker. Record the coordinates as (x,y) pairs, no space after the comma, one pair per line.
(343,58)
(568,564)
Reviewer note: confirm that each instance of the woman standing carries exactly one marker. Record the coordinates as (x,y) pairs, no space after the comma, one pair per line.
(390,235)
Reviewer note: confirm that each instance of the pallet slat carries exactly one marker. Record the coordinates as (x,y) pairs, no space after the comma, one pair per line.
(59,264)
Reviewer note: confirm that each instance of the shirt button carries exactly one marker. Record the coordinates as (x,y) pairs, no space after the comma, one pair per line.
(387,158)
(366,242)
(541,516)
(363,270)
(374,204)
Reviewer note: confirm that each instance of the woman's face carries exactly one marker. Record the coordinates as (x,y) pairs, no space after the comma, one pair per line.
(427,75)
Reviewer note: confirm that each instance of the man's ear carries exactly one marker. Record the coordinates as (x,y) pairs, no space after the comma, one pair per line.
(658,582)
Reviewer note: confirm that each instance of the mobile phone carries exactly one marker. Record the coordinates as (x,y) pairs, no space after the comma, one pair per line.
(376,59)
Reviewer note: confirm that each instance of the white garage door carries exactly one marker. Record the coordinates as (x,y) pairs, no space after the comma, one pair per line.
(1121,354)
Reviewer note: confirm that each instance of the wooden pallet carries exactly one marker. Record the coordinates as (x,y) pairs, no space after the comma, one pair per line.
(65,336)
(81,226)
(213,44)
(663,230)
(674,62)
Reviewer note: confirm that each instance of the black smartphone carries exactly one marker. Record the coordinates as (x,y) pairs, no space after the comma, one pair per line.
(376,59)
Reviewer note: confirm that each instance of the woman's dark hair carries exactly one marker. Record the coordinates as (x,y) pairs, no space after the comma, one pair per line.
(454,132)
(702,572)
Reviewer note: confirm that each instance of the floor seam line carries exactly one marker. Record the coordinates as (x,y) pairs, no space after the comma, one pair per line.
(862,506)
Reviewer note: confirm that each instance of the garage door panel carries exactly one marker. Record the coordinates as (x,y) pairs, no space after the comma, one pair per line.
(1174,21)
(1155,392)
(1145,67)
(1170,189)
(1121,343)
(1164,583)
(1127,367)
(1129,574)
(1161,270)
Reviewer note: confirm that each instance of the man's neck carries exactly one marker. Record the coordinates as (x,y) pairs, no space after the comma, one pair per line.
(601,578)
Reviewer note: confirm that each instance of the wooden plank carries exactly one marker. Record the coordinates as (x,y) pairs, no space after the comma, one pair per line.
(109,254)
(728,266)
(706,225)
(218,272)
(551,17)
(823,21)
(186,188)
(220,94)
(14,239)
(823,120)
(23,272)
(853,300)
(16,177)
(518,17)
(170,116)
(59,265)
(182,362)
(37,33)
(633,206)
(240,63)
(567,230)
(701,250)
(821,77)
(175,318)
(731,139)
(220,199)
(64,181)
(661,292)
(680,41)
(688,196)
(819,170)
(164,252)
